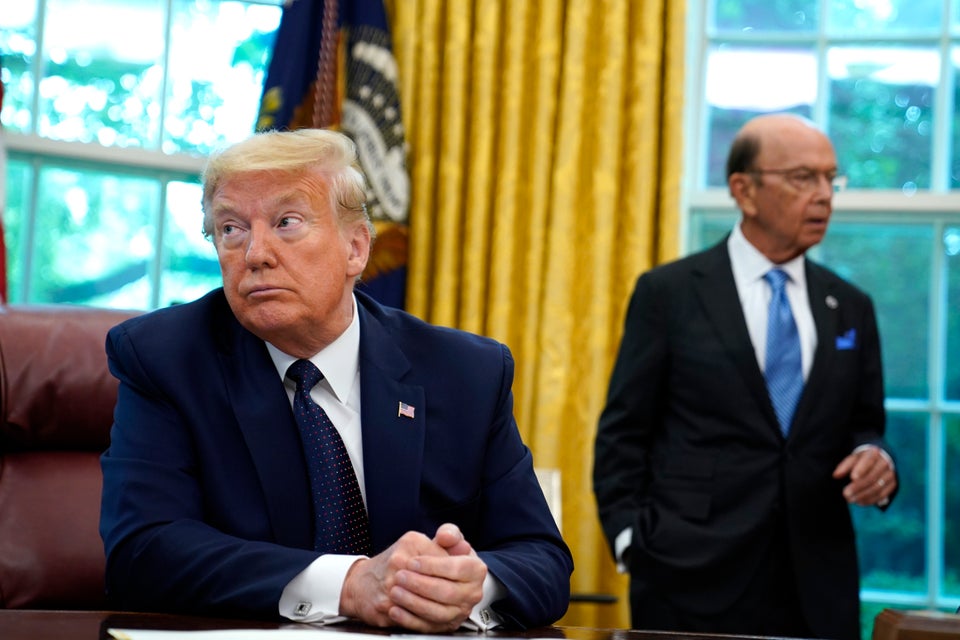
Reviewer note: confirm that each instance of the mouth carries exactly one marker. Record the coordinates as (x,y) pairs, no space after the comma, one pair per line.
(261,291)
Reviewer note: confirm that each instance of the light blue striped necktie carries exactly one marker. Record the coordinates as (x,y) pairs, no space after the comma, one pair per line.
(783,371)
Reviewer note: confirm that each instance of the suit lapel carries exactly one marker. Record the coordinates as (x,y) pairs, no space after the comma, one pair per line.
(717,291)
(262,411)
(824,303)
(392,441)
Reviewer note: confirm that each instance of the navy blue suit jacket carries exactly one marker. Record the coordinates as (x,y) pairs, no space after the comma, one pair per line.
(206,504)
(690,455)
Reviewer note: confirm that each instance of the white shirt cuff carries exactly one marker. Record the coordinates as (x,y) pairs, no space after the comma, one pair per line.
(622,542)
(483,617)
(314,594)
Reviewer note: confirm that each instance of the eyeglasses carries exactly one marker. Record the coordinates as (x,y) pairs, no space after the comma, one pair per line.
(805,179)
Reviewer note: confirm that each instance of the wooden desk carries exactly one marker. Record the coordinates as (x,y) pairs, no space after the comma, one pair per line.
(915,625)
(92,625)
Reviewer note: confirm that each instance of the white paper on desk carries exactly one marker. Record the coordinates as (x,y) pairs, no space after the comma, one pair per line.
(292,633)
(462,635)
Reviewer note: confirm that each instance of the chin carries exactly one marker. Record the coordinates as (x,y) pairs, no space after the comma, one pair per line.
(265,318)
(812,238)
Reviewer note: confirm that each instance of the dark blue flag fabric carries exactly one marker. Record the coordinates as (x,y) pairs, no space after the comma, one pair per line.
(333,67)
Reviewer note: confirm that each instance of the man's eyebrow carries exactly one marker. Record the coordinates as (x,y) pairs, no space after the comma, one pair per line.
(220,208)
(295,196)
(804,167)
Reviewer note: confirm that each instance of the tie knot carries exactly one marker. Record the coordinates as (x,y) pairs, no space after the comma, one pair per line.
(305,374)
(777,278)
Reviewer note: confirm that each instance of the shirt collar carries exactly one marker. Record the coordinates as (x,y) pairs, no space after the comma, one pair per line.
(749,265)
(339,360)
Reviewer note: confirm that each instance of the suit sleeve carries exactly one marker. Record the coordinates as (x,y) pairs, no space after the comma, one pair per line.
(517,537)
(162,554)
(869,422)
(628,421)
(870,418)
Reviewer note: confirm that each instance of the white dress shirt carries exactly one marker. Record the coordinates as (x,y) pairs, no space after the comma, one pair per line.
(749,266)
(314,594)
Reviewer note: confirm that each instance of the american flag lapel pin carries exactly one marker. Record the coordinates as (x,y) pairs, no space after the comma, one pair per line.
(405,410)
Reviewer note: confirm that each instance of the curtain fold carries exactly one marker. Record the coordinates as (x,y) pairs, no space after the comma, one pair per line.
(545,157)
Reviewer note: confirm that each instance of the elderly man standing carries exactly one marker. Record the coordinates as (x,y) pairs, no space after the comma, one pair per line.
(745,412)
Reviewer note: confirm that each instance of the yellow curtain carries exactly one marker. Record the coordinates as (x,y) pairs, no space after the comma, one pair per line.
(545,146)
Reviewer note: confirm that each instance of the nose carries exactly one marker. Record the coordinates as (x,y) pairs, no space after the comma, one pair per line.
(825,187)
(261,252)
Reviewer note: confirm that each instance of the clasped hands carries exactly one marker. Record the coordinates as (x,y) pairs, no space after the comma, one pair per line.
(872,480)
(421,584)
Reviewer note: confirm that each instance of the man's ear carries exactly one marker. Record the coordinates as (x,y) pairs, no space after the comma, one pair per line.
(359,248)
(743,190)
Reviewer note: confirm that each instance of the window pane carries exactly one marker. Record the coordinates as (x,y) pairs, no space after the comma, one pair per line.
(218,57)
(707,230)
(891,543)
(18,38)
(899,289)
(881,114)
(951,527)
(102,82)
(765,15)
(955,119)
(871,17)
(744,82)
(94,239)
(191,263)
(951,247)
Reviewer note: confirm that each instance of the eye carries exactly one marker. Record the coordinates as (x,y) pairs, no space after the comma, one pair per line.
(290,222)
(804,177)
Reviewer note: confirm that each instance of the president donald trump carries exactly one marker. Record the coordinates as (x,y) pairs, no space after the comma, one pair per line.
(287,447)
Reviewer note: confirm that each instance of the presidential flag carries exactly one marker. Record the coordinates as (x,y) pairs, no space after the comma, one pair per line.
(333,67)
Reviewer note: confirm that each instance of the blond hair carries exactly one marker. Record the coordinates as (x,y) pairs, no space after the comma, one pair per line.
(294,153)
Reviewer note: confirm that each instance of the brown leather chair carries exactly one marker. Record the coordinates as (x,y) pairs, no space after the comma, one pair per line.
(56,409)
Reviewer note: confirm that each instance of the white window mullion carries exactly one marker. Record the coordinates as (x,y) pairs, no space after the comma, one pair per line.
(165,83)
(937,368)
(37,66)
(30,226)
(943,112)
(155,269)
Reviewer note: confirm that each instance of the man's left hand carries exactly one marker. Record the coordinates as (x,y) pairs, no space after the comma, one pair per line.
(435,592)
(872,479)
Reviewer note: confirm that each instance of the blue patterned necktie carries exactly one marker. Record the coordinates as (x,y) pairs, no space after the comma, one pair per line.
(342,525)
(783,370)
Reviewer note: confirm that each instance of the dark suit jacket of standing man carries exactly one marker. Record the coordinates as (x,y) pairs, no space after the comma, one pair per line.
(689,426)
(206,504)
